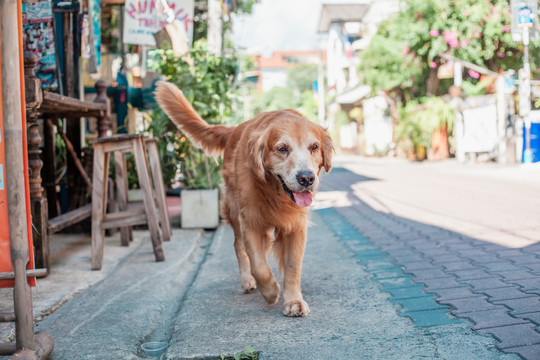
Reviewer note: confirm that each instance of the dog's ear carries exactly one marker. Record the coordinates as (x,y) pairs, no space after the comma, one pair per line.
(256,147)
(327,150)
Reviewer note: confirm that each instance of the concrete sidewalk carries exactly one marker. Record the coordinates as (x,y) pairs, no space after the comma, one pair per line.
(379,286)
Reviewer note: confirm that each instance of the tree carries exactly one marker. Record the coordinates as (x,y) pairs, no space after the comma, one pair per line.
(200,17)
(403,55)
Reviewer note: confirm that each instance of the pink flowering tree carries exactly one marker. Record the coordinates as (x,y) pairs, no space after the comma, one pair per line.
(403,55)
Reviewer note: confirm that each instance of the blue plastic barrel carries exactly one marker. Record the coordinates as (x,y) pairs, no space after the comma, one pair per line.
(535,141)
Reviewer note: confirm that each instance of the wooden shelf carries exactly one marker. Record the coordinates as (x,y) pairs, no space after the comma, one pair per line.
(65,106)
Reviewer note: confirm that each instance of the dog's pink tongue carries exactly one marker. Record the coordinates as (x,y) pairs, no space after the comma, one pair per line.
(303,199)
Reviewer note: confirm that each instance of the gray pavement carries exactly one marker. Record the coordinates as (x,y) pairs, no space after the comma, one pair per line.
(383,278)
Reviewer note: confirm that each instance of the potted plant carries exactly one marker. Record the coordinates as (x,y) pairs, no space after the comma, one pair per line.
(425,127)
(205,80)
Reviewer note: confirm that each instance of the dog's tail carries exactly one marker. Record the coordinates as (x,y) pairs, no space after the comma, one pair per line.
(212,139)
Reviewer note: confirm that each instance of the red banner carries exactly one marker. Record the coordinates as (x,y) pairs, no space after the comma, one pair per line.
(5,248)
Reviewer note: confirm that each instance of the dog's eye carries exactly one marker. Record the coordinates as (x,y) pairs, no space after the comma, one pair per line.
(283,149)
(314,147)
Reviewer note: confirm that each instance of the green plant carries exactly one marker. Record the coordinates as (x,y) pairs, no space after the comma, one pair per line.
(249,354)
(405,51)
(205,80)
(418,121)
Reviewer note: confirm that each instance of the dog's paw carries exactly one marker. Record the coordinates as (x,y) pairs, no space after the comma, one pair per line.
(296,308)
(271,292)
(248,283)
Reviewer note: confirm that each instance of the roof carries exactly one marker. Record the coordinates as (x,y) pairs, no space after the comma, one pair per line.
(290,58)
(331,13)
(353,95)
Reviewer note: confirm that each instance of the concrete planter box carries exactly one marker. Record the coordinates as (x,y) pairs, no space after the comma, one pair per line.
(200,209)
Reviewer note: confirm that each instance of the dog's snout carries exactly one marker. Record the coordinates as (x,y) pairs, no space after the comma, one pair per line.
(305,178)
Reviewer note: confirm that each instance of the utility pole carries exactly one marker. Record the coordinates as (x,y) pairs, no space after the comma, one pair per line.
(525,22)
(320,92)
(215,27)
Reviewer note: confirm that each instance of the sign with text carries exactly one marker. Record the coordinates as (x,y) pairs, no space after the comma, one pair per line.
(38,38)
(524,13)
(145,17)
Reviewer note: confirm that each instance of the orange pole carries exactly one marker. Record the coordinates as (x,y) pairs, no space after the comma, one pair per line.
(31,281)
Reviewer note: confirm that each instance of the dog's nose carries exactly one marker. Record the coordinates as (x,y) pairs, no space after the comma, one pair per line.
(305,178)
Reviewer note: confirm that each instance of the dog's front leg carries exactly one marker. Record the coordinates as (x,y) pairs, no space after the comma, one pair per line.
(293,253)
(257,243)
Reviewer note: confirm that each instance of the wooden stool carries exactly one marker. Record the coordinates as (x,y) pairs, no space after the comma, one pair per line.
(127,215)
(159,190)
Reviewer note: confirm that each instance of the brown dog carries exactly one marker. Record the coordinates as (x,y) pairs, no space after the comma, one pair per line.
(271,167)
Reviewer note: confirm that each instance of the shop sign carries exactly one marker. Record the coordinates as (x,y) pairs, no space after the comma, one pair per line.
(142,18)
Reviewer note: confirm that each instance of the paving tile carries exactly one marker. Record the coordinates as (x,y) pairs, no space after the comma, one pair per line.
(532,316)
(406,292)
(378,263)
(471,274)
(487,283)
(511,292)
(516,275)
(435,252)
(530,352)
(458,265)
(418,265)
(447,259)
(441,283)
(484,259)
(460,246)
(491,318)
(533,267)
(396,283)
(427,302)
(403,259)
(514,335)
(527,284)
(522,305)
(454,293)
(500,266)
(421,275)
(509,253)
(525,259)
(477,303)
(430,317)
(387,273)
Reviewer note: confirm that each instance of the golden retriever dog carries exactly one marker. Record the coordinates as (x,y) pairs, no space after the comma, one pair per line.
(271,168)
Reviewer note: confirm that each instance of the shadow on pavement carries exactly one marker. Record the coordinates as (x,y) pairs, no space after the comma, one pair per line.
(429,270)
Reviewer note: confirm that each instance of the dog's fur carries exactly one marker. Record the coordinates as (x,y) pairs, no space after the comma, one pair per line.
(271,167)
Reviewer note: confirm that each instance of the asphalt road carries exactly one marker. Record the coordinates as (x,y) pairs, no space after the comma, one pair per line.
(499,203)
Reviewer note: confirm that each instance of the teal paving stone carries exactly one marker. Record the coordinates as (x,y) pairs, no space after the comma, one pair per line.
(426,302)
(387,273)
(430,317)
(361,247)
(396,283)
(378,263)
(366,253)
(406,292)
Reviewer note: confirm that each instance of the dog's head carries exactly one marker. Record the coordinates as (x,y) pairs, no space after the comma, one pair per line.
(293,151)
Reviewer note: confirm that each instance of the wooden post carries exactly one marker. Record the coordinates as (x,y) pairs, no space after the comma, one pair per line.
(38,202)
(15,179)
(104,122)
